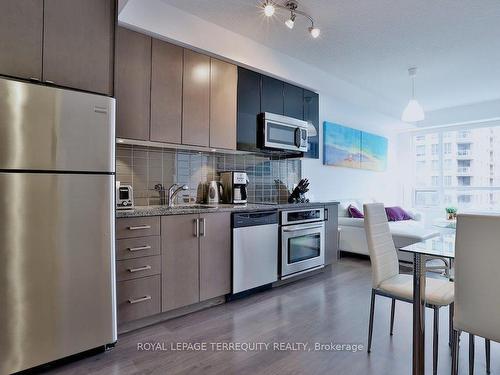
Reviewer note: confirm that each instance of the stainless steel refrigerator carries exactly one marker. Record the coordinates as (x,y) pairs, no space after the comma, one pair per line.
(57,278)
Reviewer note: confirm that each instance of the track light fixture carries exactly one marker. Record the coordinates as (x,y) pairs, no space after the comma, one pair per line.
(269,7)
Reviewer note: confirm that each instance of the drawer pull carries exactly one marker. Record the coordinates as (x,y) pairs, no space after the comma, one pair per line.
(139,248)
(138,300)
(139,227)
(145,268)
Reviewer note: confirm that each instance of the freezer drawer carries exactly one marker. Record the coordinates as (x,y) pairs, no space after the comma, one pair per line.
(57,277)
(51,129)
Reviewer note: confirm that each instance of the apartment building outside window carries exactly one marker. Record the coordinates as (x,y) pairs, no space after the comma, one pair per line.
(434,149)
(462,168)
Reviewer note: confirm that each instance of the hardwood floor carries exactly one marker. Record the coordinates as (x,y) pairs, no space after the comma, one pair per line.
(329,307)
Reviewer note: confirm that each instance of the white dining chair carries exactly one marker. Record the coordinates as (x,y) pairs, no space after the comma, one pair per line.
(477,285)
(387,281)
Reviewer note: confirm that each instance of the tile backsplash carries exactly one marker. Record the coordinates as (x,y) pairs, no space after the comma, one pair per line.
(271,180)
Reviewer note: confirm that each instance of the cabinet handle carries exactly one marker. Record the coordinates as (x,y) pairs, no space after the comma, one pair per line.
(139,248)
(139,227)
(203,227)
(197,227)
(145,268)
(35,79)
(51,82)
(326,214)
(137,300)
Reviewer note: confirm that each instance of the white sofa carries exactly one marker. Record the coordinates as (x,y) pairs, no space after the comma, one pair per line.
(352,231)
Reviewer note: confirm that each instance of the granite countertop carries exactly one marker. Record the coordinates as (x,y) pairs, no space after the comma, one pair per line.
(141,211)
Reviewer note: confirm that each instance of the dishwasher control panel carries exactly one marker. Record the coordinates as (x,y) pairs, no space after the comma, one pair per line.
(250,219)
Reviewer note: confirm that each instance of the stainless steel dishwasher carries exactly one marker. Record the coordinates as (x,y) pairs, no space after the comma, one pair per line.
(255,249)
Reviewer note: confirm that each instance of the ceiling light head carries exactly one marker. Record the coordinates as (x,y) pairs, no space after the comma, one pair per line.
(291,21)
(268,8)
(314,31)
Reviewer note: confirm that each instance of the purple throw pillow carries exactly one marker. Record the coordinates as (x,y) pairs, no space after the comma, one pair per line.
(354,212)
(396,214)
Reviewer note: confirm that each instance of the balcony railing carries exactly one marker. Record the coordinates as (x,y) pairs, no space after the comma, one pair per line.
(464,153)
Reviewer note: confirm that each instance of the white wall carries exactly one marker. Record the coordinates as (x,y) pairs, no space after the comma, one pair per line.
(339,100)
(337,183)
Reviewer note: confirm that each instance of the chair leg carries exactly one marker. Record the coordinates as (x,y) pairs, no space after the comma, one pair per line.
(455,352)
(450,327)
(435,341)
(487,349)
(393,307)
(471,354)
(370,326)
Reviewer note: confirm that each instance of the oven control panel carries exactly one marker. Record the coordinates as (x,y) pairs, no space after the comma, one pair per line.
(302,216)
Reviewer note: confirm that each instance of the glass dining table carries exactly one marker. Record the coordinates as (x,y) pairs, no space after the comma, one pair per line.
(442,246)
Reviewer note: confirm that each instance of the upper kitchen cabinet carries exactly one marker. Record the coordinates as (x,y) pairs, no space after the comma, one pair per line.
(21,29)
(78,44)
(293,101)
(271,99)
(132,84)
(248,109)
(223,87)
(196,99)
(311,114)
(166,92)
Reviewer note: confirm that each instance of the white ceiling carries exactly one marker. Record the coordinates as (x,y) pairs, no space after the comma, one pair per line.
(371,43)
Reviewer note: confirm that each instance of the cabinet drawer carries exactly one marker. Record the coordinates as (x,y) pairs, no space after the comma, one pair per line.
(137,227)
(137,247)
(138,298)
(139,267)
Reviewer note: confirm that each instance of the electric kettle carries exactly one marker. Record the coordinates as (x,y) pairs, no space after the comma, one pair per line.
(214,192)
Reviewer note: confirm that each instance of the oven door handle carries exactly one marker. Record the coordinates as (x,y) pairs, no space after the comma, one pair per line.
(296,229)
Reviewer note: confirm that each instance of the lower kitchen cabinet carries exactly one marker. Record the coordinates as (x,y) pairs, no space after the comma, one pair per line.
(196,258)
(180,261)
(215,255)
(138,298)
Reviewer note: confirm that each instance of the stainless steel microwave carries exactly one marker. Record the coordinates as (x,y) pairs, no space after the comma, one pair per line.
(283,133)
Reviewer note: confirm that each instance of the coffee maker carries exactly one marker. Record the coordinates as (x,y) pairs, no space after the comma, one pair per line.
(234,187)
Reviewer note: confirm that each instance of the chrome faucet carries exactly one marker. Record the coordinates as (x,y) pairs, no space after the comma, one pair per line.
(172,192)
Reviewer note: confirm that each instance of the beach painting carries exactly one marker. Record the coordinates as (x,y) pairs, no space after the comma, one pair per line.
(374,152)
(342,146)
(353,148)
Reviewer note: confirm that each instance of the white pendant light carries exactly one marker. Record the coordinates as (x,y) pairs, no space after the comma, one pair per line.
(413,111)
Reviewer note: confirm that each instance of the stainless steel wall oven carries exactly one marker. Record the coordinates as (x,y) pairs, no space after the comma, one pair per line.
(302,241)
